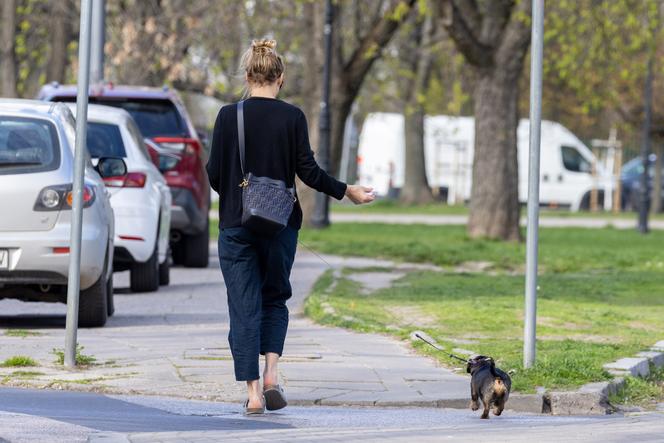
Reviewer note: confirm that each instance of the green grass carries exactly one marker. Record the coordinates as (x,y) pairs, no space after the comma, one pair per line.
(584,320)
(561,249)
(81,359)
(21,333)
(18,361)
(644,392)
(600,295)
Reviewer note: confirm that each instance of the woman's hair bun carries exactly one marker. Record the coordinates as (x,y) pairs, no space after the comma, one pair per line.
(261,63)
(263,45)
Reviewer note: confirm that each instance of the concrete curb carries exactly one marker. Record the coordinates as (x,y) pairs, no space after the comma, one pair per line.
(532,403)
(593,398)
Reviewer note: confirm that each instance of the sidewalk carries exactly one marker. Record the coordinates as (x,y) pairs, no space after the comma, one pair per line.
(544,221)
(173,343)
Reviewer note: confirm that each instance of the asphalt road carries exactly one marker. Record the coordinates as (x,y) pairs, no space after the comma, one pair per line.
(57,416)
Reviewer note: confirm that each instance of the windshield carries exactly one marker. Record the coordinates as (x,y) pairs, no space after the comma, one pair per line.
(27,145)
(155,118)
(105,140)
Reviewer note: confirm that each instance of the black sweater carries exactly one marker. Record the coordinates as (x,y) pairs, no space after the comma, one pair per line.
(277,146)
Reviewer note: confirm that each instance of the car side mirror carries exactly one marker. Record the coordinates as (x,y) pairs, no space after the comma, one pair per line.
(111,167)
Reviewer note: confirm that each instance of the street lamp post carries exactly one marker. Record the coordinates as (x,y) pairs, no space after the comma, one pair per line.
(321,215)
(645,149)
(536,56)
(73,281)
(98,36)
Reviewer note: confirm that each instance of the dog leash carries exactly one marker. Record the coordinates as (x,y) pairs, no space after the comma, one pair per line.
(438,348)
(315,253)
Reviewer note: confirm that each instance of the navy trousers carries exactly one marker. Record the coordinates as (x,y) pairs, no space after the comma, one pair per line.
(257,276)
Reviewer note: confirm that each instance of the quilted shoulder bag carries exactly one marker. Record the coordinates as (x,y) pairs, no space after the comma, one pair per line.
(267,203)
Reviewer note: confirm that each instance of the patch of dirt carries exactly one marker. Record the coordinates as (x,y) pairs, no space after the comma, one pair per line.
(474,266)
(589,338)
(554,323)
(412,316)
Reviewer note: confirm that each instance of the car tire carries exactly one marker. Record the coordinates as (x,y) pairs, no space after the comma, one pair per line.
(110,303)
(197,248)
(165,271)
(144,277)
(177,251)
(92,304)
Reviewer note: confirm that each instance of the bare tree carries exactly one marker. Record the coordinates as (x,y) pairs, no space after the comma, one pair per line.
(419,53)
(7,55)
(354,56)
(493,36)
(61,37)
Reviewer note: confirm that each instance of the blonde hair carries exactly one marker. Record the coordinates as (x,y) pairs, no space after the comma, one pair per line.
(261,63)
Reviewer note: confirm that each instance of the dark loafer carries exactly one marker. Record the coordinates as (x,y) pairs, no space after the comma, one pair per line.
(275,398)
(253,411)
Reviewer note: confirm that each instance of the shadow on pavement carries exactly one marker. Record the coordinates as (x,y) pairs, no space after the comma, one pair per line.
(32,321)
(102,413)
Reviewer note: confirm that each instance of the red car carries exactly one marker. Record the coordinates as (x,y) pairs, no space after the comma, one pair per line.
(179,154)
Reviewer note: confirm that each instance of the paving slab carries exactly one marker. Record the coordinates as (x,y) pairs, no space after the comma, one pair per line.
(174,342)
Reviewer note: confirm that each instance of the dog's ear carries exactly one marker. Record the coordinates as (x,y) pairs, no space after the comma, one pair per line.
(493,363)
(468,366)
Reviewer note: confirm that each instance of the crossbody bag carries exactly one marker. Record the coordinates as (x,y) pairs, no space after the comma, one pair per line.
(267,203)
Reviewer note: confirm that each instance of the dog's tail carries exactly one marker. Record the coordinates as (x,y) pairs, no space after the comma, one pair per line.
(499,387)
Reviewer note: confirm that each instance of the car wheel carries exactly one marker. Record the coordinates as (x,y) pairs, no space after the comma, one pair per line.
(177,251)
(144,277)
(165,271)
(197,248)
(92,304)
(110,304)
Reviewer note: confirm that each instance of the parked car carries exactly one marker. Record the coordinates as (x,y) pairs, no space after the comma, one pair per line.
(141,199)
(36,175)
(162,117)
(630,178)
(565,173)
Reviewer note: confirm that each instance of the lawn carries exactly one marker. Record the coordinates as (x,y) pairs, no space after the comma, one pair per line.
(394,207)
(601,296)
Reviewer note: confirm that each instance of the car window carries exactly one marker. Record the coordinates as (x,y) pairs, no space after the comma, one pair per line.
(105,140)
(136,136)
(27,145)
(155,118)
(573,160)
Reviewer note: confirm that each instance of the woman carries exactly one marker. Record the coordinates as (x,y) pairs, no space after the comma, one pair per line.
(257,270)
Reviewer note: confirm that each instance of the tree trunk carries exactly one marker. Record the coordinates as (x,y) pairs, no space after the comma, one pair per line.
(656,206)
(61,34)
(416,188)
(7,56)
(312,93)
(494,200)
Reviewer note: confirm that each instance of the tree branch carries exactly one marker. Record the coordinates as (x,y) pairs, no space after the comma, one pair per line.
(461,31)
(380,33)
(516,37)
(495,18)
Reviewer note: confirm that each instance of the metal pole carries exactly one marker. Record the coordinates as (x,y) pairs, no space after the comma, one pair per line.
(98,40)
(536,54)
(73,283)
(645,149)
(321,216)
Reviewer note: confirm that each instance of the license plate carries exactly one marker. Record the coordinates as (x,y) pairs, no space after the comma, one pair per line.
(4,259)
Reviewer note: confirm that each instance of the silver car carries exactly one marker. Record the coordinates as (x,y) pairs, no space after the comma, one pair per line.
(36,174)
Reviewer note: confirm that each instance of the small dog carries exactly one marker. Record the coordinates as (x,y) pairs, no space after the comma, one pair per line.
(488,383)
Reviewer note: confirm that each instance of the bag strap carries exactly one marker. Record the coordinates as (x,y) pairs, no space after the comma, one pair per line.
(240,134)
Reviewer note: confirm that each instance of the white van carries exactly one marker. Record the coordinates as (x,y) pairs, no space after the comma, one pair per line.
(565,171)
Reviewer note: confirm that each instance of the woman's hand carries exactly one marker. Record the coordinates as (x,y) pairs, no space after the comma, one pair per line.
(360,194)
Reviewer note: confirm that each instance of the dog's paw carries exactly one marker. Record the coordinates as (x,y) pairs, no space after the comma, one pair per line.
(485,416)
(474,405)
(497,411)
